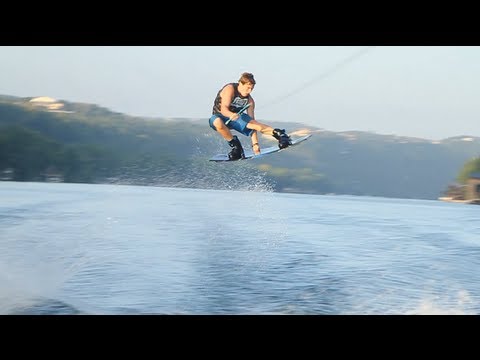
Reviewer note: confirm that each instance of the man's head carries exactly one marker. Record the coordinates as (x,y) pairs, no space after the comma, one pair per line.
(246,83)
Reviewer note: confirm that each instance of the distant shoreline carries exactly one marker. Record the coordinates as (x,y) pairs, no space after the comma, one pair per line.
(453,200)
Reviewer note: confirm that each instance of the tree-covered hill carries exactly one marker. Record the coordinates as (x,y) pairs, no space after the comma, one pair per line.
(88,143)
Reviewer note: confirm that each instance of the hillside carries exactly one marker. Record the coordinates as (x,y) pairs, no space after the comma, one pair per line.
(88,143)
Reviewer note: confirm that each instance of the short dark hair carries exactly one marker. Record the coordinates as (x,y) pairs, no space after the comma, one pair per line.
(247,77)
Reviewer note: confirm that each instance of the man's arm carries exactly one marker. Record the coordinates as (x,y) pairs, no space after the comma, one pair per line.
(255,144)
(227,95)
(251,109)
(251,113)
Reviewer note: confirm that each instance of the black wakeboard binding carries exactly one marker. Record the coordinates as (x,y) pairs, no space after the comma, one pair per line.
(283,139)
(237,150)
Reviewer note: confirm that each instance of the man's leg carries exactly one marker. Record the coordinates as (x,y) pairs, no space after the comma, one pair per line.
(279,134)
(237,149)
(223,129)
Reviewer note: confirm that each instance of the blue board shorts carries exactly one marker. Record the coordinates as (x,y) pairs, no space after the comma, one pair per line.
(240,124)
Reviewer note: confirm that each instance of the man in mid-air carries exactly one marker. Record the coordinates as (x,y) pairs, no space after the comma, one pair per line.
(230,99)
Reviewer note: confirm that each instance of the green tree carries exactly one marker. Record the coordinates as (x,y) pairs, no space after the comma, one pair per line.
(28,153)
(471,166)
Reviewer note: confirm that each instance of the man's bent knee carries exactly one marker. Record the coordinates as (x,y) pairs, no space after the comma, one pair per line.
(219,124)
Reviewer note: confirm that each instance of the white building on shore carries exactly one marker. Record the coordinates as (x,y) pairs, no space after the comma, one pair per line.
(48,103)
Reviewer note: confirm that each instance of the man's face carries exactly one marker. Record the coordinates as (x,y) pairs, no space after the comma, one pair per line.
(245,89)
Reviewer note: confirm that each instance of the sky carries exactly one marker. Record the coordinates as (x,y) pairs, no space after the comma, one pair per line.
(430,92)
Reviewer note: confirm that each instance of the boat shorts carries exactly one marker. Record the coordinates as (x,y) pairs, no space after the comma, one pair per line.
(240,124)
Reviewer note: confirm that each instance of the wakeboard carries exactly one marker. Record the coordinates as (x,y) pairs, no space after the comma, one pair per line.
(263,152)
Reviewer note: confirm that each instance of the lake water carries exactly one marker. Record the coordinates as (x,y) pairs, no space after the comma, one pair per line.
(120,249)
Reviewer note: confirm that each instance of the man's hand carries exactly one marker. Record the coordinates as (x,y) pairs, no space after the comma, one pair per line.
(256,149)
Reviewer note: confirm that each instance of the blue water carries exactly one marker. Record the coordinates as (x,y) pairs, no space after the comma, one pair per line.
(118,249)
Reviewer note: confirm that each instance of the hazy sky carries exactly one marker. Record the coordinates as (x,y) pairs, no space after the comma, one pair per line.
(421,91)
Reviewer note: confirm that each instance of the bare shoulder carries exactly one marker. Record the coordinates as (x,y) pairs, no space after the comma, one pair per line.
(227,90)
